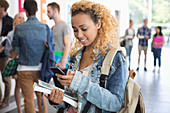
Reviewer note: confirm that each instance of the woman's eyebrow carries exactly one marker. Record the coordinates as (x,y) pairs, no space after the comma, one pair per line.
(79,26)
(82,25)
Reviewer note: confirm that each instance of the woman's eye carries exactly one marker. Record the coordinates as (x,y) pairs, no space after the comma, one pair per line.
(84,29)
(75,30)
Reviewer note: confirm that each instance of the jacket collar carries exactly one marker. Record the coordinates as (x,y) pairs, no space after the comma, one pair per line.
(78,56)
(32,18)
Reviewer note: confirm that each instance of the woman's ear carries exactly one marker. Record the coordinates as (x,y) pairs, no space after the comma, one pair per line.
(98,24)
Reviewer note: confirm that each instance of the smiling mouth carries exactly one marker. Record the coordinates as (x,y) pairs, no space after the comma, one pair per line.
(83,41)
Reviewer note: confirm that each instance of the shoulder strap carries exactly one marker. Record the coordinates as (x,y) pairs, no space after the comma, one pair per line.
(109,59)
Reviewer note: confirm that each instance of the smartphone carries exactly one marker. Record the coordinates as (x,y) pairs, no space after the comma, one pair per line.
(58,70)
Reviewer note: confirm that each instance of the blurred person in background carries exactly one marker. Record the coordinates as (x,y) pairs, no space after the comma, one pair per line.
(6,25)
(28,42)
(144,33)
(157,43)
(62,35)
(62,40)
(18,19)
(129,36)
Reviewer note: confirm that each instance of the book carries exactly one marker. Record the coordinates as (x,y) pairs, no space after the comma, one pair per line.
(158,40)
(47,88)
(129,37)
(141,37)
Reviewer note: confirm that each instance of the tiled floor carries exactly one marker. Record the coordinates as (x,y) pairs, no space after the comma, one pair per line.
(155,86)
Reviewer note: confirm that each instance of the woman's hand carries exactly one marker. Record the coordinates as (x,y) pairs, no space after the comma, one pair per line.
(56,96)
(66,80)
(13,54)
(155,44)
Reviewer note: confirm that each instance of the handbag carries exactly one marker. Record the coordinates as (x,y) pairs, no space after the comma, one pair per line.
(11,68)
(122,41)
(48,59)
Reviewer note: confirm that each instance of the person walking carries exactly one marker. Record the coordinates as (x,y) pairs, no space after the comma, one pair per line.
(129,36)
(144,33)
(6,25)
(96,32)
(28,42)
(157,44)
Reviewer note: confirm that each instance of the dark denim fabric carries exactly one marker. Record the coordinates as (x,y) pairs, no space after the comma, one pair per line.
(157,55)
(7,26)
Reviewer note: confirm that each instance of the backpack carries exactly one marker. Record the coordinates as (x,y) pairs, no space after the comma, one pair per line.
(48,58)
(133,100)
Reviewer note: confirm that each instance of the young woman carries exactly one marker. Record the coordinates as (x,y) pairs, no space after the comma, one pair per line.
(129,35)
(158,41)
(18,19)
(95,30)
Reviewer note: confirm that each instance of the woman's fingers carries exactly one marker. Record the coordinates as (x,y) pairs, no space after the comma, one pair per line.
(71,72)
(65,80)
(56,96)
(51,97)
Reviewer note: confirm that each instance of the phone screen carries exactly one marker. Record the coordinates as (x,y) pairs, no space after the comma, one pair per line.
(58,70)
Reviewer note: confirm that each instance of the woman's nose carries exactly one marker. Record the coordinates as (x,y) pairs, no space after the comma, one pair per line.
(79,34)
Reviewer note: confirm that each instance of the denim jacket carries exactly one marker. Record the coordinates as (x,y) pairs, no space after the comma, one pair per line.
(29,40)
(109,99)
(8,45)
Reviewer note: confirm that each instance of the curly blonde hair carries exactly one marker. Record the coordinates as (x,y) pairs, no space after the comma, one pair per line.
(107,34)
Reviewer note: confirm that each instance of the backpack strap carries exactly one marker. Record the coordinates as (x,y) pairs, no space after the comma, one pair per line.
(108,61)
(104,72)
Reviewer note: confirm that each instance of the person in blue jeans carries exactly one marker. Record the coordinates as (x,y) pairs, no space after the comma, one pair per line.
(129,36)
(95,31)
(157,44)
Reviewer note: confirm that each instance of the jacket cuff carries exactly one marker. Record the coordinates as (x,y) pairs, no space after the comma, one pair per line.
(76,81)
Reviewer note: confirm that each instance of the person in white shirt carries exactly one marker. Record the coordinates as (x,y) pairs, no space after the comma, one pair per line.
(129,36)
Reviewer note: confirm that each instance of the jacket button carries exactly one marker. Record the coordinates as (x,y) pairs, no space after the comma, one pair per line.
(92,71)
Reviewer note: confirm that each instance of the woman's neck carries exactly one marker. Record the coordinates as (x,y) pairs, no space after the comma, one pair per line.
(91,46)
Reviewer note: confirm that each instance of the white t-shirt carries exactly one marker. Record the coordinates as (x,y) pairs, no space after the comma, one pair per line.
(130,32)
(29,68)
(130,35)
